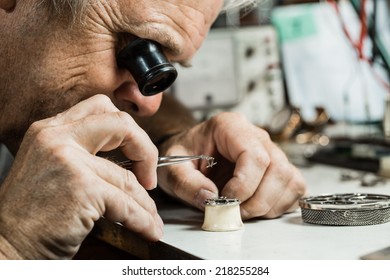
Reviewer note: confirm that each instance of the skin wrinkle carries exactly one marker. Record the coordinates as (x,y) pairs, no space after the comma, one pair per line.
(98,24)
(80,69)
(177,51)
(73,9)
(128,24)
(168,41)
(101,12)
(183,8)
(76,72)
(113,21)
(219,137)
(166,34)
(96,208)
(77,67)
(115,18)
(154,25)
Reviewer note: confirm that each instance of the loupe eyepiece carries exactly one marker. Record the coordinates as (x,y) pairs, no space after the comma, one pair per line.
(148,65)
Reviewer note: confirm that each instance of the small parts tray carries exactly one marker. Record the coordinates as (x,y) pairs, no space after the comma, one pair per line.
(346,209)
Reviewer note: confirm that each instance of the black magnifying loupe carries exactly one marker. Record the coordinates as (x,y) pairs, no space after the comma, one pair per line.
(148,65)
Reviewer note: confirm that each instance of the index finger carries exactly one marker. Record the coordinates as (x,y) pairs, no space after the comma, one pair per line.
(109,131)
(97,104)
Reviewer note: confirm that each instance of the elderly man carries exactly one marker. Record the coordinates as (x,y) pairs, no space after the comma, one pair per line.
(63,99)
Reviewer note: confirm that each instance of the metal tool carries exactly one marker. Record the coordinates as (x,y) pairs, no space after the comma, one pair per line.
(346,209)
(170,160)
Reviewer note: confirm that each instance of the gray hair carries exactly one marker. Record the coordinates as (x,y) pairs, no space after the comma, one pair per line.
(73,9)
(65,9)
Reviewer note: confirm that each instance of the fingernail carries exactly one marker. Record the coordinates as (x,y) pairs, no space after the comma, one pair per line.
(204,195)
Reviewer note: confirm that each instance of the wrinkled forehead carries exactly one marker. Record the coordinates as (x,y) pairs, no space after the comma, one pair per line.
(75,8)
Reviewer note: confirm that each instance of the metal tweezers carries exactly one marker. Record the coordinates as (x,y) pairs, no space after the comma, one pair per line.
(169,160)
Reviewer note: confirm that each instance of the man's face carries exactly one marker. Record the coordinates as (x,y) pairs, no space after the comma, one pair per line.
(49,66)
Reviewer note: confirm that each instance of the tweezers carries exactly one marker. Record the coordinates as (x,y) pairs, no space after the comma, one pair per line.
(169,160)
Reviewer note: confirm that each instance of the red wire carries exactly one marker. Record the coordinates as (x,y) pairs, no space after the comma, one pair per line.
(363,34)
(363,30)
(343,26)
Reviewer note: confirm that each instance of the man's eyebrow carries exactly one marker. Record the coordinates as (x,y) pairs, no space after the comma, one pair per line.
(174,50)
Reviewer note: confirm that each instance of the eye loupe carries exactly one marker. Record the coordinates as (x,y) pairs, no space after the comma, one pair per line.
(148,65)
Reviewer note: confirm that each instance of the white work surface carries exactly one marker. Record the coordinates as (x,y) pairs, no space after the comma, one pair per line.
(285,238)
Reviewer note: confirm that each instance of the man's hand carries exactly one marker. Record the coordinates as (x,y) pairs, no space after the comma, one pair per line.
(249,167)
(58,187)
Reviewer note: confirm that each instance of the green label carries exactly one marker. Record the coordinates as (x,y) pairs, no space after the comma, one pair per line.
(294,24)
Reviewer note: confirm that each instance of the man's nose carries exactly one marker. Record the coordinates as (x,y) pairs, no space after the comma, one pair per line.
(130,97)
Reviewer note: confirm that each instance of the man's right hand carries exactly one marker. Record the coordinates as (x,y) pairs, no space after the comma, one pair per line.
(57,187)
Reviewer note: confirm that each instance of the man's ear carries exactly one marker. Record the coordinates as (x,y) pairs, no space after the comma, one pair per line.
(7,5)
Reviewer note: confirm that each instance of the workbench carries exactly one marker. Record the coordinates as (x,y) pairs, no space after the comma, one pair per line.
(284,238)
